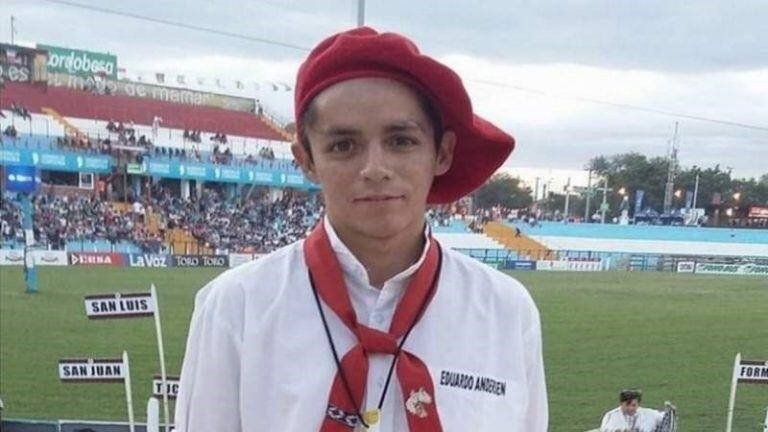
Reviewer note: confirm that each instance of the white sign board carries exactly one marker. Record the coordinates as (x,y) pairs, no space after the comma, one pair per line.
(9,257)
(50,258)
(547,265)
(171,386)
(94,370)
(119,305)
(686,266)
(751,371)
(731,269)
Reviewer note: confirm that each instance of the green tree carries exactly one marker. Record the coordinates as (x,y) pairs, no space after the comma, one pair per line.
(503,190)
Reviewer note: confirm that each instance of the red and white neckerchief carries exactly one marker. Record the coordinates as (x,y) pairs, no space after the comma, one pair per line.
(346,396)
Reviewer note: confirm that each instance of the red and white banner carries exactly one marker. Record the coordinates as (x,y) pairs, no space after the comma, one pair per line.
(97,258)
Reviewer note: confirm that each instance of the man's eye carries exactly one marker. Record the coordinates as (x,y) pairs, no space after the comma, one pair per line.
(341,146)
(403,141)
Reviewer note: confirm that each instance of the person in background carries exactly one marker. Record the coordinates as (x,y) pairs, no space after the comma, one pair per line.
(629,416)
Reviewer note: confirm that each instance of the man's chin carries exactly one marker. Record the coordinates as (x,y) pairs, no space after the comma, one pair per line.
(381,226)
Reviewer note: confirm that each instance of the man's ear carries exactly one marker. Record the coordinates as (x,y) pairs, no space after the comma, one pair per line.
(304,159)
(445,153)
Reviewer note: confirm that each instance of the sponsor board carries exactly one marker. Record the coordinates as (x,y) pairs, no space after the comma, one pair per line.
(560,265)
(731,269)
(200,260)
(171,386)
(182,96)
(519,265)
(79,62)
(22,64)
(93,370)
(149,260)
(686,266)
(752,371)
(9,257)
(758,212)
(119,305)
(56,160)
(96,258)
(50,258)
(235,259)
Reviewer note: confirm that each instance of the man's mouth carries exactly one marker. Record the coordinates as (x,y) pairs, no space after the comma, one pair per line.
(378,198)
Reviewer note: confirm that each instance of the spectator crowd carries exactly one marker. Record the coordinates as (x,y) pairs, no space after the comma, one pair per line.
(241,225)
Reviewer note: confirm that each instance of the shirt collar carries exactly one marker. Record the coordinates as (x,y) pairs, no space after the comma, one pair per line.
(355,271)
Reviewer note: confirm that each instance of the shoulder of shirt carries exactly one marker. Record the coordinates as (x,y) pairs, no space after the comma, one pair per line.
(497,285)
(650,411)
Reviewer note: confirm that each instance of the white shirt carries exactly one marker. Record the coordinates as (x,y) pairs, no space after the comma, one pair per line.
(258,359)
(645,420)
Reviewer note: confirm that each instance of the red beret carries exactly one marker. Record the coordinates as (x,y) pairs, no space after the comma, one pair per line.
(481,148)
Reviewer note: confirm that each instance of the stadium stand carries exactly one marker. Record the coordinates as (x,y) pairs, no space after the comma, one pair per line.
(676,240)
(80,104)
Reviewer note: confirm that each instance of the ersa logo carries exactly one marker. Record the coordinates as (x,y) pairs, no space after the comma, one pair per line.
(91,259)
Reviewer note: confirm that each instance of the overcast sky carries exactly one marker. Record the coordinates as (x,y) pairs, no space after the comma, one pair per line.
(539,69)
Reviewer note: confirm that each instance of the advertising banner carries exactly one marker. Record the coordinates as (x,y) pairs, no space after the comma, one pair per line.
(161,93)
(686,266)
(50,258)
(758,212)
(21,178)
(731,269)
(97,258)
(200,260)
(149,260)
(56,160)
(11,257)
(22,64)
(548,265)
(218,173)
(80,62)
(519,265)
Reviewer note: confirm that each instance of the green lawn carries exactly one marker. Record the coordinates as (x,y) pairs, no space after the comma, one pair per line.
(672,335)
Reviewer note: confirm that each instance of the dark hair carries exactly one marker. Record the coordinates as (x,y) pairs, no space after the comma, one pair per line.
(630,395)
(309,116)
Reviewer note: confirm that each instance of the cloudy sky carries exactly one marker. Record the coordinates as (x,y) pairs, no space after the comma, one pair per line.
(569,79)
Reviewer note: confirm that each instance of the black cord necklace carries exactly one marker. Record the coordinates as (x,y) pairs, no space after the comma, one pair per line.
(340,370)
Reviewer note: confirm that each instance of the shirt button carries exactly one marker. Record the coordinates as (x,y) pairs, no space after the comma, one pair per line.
(377,318)
(380,382)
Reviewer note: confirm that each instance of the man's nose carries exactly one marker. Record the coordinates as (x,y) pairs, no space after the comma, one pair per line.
(377,165)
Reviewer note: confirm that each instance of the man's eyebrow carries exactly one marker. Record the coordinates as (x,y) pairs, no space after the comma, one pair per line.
(340,130)
(404,125)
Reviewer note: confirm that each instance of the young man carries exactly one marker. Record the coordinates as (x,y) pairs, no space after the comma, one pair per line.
(629,416)
(369,324)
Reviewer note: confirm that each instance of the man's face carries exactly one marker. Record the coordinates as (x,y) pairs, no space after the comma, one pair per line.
(373,152)
(630,407)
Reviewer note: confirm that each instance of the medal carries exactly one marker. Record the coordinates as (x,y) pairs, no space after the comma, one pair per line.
(372,418)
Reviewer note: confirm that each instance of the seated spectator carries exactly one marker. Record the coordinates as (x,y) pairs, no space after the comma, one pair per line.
(10,131)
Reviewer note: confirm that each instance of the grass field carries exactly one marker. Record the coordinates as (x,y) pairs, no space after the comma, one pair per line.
(673,335)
